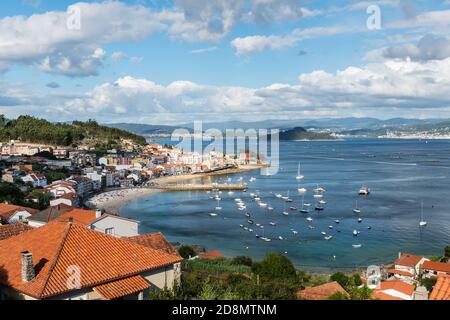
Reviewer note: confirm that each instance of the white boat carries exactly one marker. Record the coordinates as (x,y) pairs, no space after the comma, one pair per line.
(299,175)
(355,233)
(337,221)
(357,246)
(318,196)
(230,193)
(322,202)
(257,199)
(279,196)
(364,191)
(319,190)
(323,233)
(328,238)
(237,200)
(252,195)
(330,227)
(280,238)
(273,224)
(295,232)
(309,219)
(219,208)
(357,210)
(241,226)
(270,208)
(263,205)
(242,208)
(284,213)
(311,227)
(213,215)
(360,220)
(252,179)
(302,190)
(422,222)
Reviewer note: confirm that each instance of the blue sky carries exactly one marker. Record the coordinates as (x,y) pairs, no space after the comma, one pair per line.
(176,61)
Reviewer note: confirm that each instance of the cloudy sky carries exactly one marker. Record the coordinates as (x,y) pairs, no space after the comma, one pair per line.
(174,61)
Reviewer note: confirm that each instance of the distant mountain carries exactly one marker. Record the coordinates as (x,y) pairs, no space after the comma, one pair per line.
(144,129)
(300,133)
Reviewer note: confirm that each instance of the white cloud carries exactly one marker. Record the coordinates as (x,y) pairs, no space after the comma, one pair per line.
(428,47)
(203,50)
(253,44)
(393,87)
(46,41)
(118,56)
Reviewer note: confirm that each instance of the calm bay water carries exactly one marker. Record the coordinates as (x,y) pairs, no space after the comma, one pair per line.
(400,173)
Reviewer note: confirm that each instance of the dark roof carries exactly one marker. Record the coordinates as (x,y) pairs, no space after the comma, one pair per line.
(51,213)
(155,241)
(11,230)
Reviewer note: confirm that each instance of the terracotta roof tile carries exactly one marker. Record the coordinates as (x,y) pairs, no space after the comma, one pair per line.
(321,292)
(155,241)
(400,272)
(51,213)
(11,230)
(58,246)
(384,296)
(408,260)
(441,290)
(7,210)
(122,288)
(81,216)
(436,266)
(397,285)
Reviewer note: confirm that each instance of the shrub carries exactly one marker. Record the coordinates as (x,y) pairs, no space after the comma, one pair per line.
(187,252)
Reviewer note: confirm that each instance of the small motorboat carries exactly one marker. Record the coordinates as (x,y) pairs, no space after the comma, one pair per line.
(293,209)
(337,221)
(304,211)
(269,208)
(279,196)
(241,226)
(357,246)
(237,200)
(356,233)
(273,224)
(309,219)
(364,191)
(330,227)
(369,228)
(247,215)
(322,202)
(328,238)
(250,222)
(213,215)
(280,238)
(231,193)
(311,227)
(295,232)
(318,196)
(323,233)
(301,190)
(360,220)
(285,213)
(319,190)
(219,208)
(319,208)
(263,205)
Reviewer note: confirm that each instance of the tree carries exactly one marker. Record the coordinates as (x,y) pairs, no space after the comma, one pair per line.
(275,266)
(245,261)
(363,293)
(209,291)
(338,296)
(428,283)
(447,252)
(355,280)
(187,252)
(341,278)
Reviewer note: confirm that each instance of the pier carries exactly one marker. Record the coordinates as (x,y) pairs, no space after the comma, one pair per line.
(204,187)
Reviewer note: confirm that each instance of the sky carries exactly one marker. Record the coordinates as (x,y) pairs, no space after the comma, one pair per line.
(176,61)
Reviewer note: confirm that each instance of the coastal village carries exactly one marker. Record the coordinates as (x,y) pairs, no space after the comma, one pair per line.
(53,247)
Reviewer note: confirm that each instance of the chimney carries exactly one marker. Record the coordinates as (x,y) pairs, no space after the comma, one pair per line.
(399,255)
(98,214)
(27,267)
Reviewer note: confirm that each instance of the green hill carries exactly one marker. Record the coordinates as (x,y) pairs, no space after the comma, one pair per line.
(300,133)
(34,130)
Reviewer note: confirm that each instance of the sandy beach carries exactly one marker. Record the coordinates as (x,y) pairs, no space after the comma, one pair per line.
(111,201)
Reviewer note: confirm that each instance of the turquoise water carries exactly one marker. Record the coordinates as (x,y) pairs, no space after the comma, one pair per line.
(400,173)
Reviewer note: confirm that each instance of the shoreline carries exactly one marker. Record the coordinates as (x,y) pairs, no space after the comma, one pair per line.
(113,200)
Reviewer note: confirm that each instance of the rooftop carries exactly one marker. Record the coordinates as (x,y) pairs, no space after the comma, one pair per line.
(397,285)
(321,292)
(51,213)
(57,246)
(8,210)
(441,290)
(11,230)
(155,241)
(408,260)
(436,266)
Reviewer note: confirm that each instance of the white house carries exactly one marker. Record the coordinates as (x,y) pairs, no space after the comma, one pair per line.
(409,264)
(36,179)
(115,226)
(10,214)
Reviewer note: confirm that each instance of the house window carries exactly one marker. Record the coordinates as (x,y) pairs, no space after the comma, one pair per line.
(110,231)
(20,218)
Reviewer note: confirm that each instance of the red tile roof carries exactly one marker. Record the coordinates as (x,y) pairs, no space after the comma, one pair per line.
(155,241)
(58,246)
(436,266)
(81,216)
(384,296)
(211,255)
(122,288)
(400,272)
(441,290)
(8,210)
(11,230)
(408,260)
(321,292)
(397,285)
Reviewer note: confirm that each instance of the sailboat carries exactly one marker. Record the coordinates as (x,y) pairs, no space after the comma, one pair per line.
(305,208)
(422,222)
(218,208)
(299,175)
(357,210)
(285,213)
